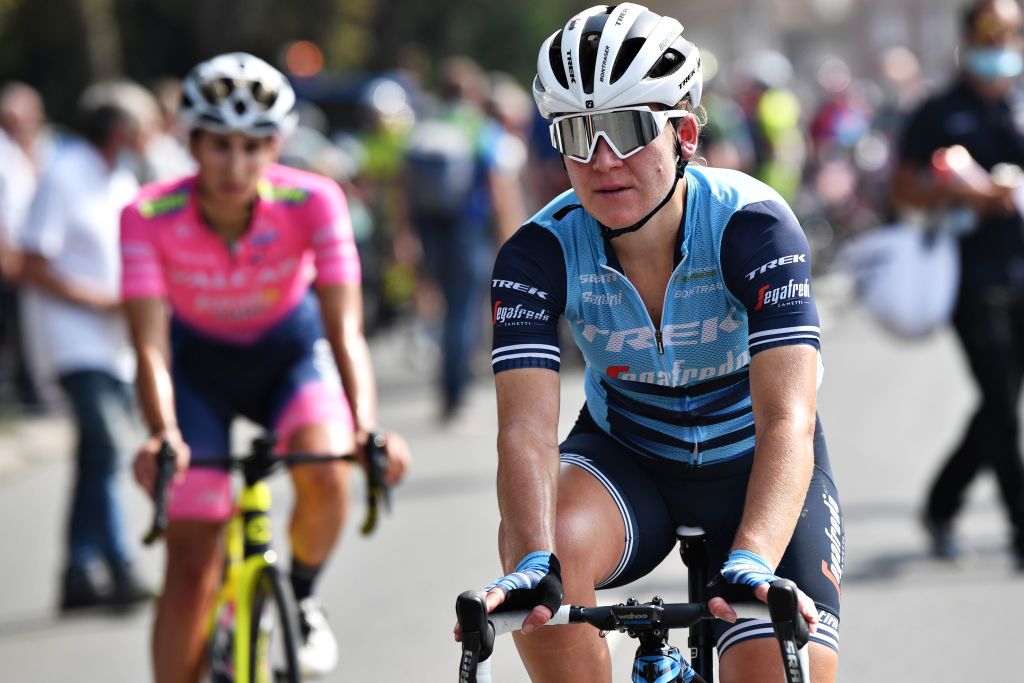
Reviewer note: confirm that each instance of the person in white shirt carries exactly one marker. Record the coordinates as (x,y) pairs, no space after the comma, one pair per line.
(24,150)
(71,265)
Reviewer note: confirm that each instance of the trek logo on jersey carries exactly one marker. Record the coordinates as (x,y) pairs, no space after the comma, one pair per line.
(775,263)
(509,314)
(519,287)
(699,275)
(602,299)
(833,567)
(768,296)
(680,334)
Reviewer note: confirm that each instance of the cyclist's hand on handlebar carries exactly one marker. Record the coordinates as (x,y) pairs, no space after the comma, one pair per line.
(146,466)
(536,583)
(746,568)
(397,451)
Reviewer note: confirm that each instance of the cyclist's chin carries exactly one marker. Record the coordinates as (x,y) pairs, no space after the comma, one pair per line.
(613,213)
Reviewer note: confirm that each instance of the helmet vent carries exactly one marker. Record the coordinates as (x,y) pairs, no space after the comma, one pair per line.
(668,64)
(588,59)
(555,57)
(629,50)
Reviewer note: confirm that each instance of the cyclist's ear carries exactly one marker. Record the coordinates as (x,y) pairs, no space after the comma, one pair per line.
(688,134)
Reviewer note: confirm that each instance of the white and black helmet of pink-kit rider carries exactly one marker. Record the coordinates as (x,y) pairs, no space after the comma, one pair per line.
(238,93)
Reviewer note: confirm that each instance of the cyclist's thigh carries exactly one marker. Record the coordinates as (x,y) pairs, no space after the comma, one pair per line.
(757,661)
(204,494)
(310,411)
(644,533)
(193,549)
(813,559)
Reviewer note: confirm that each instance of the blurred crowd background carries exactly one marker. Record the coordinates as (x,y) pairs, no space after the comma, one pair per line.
(807,95)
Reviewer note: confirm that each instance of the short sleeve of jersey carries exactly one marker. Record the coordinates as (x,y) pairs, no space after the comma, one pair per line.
(142,274)
(766,265)
(334,246)
(528,290)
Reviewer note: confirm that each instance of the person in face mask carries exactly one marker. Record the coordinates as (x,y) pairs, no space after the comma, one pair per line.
(982,112)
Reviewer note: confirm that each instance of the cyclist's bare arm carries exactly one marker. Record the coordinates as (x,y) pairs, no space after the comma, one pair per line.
(528,404)
(341,307)
(148,323)
(784,395)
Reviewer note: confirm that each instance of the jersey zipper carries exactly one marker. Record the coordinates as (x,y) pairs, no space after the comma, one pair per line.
(695,455)
(664,302)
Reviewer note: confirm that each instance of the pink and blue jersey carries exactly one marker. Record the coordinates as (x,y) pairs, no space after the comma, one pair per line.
(300,230)
(246,335)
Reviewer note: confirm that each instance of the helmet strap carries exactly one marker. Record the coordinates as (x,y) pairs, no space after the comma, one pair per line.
(612,233)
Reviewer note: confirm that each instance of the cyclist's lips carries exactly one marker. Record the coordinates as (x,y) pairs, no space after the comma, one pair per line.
(612,190)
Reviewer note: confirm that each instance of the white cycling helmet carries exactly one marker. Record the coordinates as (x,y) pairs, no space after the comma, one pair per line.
(612,56)
(238,93)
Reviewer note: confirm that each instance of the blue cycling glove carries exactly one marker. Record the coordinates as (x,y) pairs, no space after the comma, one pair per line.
(537,580)
(747,569)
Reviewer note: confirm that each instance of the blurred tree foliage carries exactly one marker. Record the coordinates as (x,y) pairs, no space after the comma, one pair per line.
(60,46)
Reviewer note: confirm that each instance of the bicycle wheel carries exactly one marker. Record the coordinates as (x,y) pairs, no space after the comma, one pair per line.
(273,638)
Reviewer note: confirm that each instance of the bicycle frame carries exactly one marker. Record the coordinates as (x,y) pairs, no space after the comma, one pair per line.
(247,549)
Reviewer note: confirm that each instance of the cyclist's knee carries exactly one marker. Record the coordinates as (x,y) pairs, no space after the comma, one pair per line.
(323,483)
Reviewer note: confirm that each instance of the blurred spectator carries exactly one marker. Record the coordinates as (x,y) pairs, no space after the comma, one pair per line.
(773,111)
(979,113)
(165,155)
(456,166)
(24,150)
(72,265)
(547,175)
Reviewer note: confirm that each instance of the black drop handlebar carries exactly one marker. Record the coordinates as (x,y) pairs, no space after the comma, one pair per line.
(261,462)
(479,628)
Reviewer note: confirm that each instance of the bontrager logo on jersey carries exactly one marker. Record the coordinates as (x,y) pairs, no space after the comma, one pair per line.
(775,263)
(509,314)
(767,296)
(519,287)
(833,567)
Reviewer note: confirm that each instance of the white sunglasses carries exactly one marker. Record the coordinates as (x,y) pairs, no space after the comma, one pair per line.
(626,130)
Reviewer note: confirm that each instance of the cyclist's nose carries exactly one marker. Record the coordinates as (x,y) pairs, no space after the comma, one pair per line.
(604,158)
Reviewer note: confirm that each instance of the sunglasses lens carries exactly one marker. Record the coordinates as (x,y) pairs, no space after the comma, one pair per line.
(627,130)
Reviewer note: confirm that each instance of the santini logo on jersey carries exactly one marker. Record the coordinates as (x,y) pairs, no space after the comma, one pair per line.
(775,263)
(518,314)
(519,287)
(602,299)
(767,296)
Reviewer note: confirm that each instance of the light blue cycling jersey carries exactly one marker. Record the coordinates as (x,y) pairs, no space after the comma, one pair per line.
(680,389)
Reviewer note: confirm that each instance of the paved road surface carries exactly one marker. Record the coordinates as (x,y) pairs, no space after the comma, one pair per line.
(889,410)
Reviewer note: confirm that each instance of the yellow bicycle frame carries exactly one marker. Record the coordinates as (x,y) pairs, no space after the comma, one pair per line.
(247,554)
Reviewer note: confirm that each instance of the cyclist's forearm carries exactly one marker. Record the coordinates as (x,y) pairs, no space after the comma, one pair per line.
(356,369)
(155,391)
(527,491)
(783,464)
